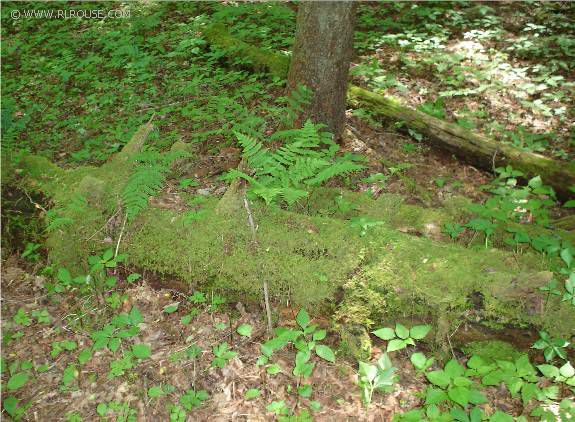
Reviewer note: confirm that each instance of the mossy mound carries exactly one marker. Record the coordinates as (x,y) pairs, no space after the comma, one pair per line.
(492,350)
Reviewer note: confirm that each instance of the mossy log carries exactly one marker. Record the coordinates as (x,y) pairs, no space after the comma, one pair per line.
(308,259)
(479,150)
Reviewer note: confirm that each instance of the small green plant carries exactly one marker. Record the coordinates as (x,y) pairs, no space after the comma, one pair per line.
(192,399)
(400,337)
(22,318)
(177,414)
(106,260)
(551,346)
(453,230)
(122,411)
(11,407)
(569,295)
(42,316)
(379,377)
(121,326)
(222,355)
(31,252)
(171,308)
(420,362)
(61,346)
(363,224)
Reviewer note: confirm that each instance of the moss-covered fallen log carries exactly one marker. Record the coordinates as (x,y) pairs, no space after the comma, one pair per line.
(308,259)
(471,147)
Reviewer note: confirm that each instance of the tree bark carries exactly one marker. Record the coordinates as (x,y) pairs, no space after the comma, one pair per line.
(321,59)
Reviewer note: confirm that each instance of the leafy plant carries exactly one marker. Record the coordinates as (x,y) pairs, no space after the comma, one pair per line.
(222,355)
(21,318)
(420,362)
(31,252)
(61,346)
(299,164)
(378,377)
(106,260)
(364,223)
(400,337)
(551,346)
(192,399)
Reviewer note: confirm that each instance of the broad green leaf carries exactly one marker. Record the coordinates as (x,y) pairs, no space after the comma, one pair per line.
(171,308)
(84,356)
(133,277)
(325,352)
(434,396)
(114,344)
(459,395)
(476,397)
(475,362)
(549,371)
(396,344)
(273,369)
(567,257)
(136,316)
(401,331)
(368,371)
(462,382)
(305,390)
(439,378)
(493,378)
(17,380)
(302,318)
(418,360)
(384,333)
(419,331)
(319,335)
(454,369)
(102,409)
(252,393)
(245,330)
(499,416)
(155,391)
(141,351)
(567,370)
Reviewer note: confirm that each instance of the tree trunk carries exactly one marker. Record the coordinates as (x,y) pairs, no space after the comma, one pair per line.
(321,59)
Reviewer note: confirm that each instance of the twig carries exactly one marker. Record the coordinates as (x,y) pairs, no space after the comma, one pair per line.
(120,237)
(36,205)
(254,236)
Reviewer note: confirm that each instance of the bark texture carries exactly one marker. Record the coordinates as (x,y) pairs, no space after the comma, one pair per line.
(321,59)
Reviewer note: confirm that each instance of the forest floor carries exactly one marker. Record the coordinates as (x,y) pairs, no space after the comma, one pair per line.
(500,69)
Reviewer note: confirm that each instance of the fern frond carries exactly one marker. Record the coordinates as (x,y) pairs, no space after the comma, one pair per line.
(146,181)
(306,167)
(292,195)
(336,169)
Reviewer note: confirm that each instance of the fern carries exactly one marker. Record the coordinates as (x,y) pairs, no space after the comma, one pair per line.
(147,179)
(305,159)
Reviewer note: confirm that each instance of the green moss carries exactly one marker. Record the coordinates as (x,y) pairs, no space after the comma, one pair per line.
(492,350)
(355,341)
(276,64)
(302,258)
